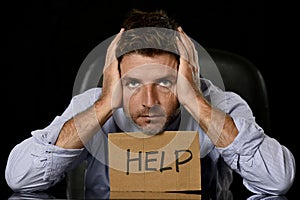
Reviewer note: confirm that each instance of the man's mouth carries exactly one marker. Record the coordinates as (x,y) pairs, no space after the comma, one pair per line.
(152,117)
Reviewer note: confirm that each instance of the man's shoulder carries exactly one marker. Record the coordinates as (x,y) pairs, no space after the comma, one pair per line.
(89,95)
(96,91)
(217,95)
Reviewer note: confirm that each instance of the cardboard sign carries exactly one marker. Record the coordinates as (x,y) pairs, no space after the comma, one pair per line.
(166,162)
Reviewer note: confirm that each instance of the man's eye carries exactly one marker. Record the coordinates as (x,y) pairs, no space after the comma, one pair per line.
(165,83)
(133,84)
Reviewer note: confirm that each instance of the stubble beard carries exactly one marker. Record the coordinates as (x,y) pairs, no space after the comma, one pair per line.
(152,128)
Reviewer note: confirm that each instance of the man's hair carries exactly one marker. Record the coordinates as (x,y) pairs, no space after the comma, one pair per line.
(148,33)
(159,18)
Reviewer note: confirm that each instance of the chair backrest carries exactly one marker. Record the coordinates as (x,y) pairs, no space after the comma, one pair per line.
(238,75)
(241,76)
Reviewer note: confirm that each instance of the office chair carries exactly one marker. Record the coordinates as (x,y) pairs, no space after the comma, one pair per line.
(241,76)
(232,72)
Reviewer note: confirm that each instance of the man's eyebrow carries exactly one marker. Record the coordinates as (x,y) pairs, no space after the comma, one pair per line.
(169,77)
(128,78)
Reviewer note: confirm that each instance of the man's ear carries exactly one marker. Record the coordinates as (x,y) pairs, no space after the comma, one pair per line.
(119,67)
(119,64)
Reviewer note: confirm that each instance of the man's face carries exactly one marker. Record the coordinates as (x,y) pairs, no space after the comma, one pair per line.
(149,85)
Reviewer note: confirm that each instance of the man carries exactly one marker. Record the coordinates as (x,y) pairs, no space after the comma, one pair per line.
(151,79)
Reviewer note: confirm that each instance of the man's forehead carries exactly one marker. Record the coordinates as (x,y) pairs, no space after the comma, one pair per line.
(140,63)
(151,71)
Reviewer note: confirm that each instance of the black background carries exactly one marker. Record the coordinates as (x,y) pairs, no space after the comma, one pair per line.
(45,42)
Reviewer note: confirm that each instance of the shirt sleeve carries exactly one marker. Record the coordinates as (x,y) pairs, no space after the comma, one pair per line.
(36,164)
(266,166)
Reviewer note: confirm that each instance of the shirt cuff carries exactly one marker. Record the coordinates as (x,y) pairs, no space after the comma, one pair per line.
(55,160)
(246,143)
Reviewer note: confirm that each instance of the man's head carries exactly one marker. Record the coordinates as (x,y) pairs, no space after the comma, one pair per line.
(148,63)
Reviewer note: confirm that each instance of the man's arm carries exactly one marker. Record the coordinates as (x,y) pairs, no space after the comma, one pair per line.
(36,164)
(265,165)
(41,161)
(78,130)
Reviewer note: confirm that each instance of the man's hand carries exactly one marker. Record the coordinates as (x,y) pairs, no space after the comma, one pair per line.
(77,131)
(112,90)
(188,81)
(218,125)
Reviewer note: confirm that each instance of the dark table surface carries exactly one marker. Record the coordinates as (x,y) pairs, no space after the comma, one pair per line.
(237,191)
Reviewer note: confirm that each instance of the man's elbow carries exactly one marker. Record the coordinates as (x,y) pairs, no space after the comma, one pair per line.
(275,188)
(23,186)
(16,184)
(288,176)
(273,185)
(284,184)
(22,183)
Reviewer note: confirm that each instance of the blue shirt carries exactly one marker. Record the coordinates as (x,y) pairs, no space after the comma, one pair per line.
(265,165)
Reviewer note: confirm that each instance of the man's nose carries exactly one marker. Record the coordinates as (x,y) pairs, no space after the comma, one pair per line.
(149,95)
